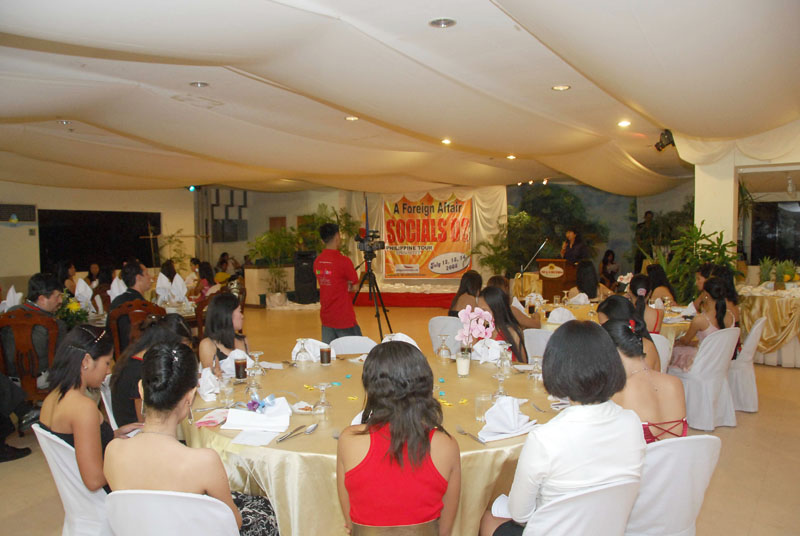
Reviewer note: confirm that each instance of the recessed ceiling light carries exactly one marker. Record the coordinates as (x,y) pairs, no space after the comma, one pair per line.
(545,181)
(561,87)
(530,181)
(624,123)
(198,84)
(446,141)
(65,122)
(442,23)
(351,118)
(511,157)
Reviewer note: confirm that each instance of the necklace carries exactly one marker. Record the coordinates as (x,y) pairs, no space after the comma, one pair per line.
(644,369)
(143,431)
(638,371)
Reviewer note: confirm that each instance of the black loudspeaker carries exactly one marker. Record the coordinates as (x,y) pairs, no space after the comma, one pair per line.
(305,282)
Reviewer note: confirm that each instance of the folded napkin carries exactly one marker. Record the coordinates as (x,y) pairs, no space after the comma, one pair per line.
(98,304)
(227,366)
(487,350)
(658,304)
(13,298)
(357,419)
(274,419)
(313,346)
(271,365)
(580,299)
(504,420)
(208,387)
(558,403)
(177,291)
(560,315)
(117,288)
(83,293)
(518,304)
(400,337)
(500,506)
(162,288)
(359,360)
(213,418)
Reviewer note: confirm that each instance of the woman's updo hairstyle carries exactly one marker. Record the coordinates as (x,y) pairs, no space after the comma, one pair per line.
(626,337)
(169,371)
(620,308)
(640,289)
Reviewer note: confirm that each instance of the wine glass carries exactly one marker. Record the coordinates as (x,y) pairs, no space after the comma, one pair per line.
(536,370)
(564,300)
(303,356)
(322,407)
(500,377)
(504,363)
(226,392)
(257,369)
(556,301)
(444,351)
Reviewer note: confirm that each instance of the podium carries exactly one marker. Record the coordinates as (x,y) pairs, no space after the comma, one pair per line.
(557,275)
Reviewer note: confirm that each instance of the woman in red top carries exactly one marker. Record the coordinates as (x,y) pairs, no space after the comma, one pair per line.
(506,326)
(399,467)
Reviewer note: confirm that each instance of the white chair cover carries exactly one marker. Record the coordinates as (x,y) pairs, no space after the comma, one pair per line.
(601,510)
(664,348)
(675,476)
(84,510)
(140,512)
(741,375)
(105,394)
(536,341)
(708,396)
(354,344)
(445,325)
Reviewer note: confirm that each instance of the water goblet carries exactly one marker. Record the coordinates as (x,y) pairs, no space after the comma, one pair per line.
(321,408)
(504,363)
(566,292)
(443,351)
(500,377)
(226,392)
(303,356)
(536,370)
(258,369)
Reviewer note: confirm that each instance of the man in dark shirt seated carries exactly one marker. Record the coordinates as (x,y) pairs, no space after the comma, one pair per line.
(12,400)
(44,298)
(136,277)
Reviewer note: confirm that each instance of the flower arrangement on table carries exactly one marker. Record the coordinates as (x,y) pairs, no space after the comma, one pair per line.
(259,406)
(71,313)
(476,324)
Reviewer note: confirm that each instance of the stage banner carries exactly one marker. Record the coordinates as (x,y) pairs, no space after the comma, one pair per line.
(427,238)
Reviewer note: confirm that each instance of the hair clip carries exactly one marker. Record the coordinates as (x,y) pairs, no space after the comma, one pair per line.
(174,355)
(92,333)
(641,292)
(632,324)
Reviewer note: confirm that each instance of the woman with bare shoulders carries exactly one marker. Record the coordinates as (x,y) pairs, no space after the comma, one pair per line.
(517,309)
(467,293)
(620,308)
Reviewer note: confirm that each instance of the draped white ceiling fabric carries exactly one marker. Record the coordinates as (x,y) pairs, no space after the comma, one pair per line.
(97,94)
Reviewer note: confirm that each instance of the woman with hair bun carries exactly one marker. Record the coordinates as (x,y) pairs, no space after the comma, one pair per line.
(399,467)
(637,292)
(658,399)
(713,316)
(620,308)
(154,459)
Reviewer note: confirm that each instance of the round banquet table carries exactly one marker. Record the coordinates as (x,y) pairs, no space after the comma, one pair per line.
(299,474)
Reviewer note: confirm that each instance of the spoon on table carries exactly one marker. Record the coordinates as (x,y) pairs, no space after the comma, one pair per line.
(290,434)
(290,364)
(473,436)
(311,429)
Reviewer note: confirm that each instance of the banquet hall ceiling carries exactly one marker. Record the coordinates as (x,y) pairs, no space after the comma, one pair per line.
(97,94)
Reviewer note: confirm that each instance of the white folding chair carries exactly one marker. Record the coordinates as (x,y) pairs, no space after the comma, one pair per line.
(741,375)
(84,510)
(601,510)
(105,394)
(708,396)
(536,341)
(139,512)
(445,325)
(354,344)
(664,349)
(675,476)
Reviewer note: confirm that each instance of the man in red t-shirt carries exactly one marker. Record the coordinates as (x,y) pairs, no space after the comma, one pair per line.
(336,277)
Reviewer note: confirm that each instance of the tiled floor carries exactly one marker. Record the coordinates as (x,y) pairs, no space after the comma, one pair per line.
(755,489)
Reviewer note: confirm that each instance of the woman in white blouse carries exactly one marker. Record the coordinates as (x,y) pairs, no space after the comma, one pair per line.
(591,443)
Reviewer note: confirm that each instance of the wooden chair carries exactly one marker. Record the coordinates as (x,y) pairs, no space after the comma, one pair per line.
(102,291)
(25,358)
(136,311)
(200,315)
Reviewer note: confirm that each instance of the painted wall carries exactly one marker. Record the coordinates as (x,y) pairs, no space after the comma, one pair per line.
(666,201)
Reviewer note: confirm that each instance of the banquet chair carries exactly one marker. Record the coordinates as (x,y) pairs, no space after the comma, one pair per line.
(354,344)
(536,341)
(601,510)
(105,299)
(136,311)
(84,510)
(200,315)
(741,375)
(675,476)
(708,396)
(664,349)
(139,512)
(105,394)
(445,325)
(26,361)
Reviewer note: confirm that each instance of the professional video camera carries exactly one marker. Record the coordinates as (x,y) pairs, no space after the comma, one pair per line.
(369,242)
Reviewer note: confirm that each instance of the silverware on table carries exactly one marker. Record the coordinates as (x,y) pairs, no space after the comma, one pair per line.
(289,363)
(473,436)
(537,407)
(290,434)
(311,429)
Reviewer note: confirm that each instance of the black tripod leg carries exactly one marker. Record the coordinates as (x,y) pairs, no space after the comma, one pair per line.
(360,285)
(373,295)
(383,307)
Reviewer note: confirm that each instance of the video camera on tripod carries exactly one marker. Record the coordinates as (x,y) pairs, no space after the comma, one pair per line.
(369,243)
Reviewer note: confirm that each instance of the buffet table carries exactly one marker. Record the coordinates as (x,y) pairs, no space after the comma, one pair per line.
(299,475)
(780,340)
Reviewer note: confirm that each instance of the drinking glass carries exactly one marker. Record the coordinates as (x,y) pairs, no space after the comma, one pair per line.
(504,363)
(565,296)
(536,370)
(303,356)
(556,301)
(483,401)
(443,351)
(462,363)
(258,370)
(500,377)
(321,409)
(226,392)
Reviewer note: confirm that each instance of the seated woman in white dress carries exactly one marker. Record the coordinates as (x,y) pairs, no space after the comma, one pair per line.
(591,443)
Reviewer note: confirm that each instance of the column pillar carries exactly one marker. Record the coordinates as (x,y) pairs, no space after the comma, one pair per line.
(716,197)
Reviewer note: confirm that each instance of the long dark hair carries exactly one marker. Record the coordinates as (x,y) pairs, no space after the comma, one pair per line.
(640,289)
(627,338)
(620,308)
(586,279)
(168,269)
(723,272)
(715,287)
(219,319)
(169,371)
(170,328)
(471,283)
(658,278)
(205,271)
(65,374)
(504,320)
(606,260)
(62,271)
(399,392)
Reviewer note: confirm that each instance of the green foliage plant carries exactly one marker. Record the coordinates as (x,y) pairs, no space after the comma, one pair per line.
(277,280)
(274,248)
(171,246)
(494,253)
(308,231)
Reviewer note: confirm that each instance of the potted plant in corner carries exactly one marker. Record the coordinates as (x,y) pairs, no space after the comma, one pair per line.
(275,250)
(276,287)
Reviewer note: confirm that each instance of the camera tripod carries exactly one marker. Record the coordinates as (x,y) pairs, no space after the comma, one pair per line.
(374,291)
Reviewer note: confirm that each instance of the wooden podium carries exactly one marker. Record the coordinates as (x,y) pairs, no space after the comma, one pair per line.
(557,275)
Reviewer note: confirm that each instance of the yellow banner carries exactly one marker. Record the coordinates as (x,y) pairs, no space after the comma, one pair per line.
(428,239)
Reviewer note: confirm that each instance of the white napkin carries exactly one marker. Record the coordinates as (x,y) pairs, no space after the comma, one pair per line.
(117,288)
(162,288)
(357,419)
(274,419)
(400,337)
(313,347)
(358,360)
(500,506)
(13,298)
(560,315)
(658,304)
(191,279)
(580,299)
(83,293)
(98,304)
(504,420)
(487,350)
(227,366)
(558,403)
(516,303)
(674,320)
(254,438)
(271,365)
(208,386)
(535,298)
(177,292)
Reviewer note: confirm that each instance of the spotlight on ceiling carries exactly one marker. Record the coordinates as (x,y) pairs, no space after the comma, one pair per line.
(561,87)
(198,84)
(446,141)
(192,188)
(442,23)
(351,118)
(530,181)
(665,141)
(64,122)
(624,123)
(511,157)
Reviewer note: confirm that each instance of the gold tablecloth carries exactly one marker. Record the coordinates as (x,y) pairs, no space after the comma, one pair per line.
(299,475)
(782,328)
